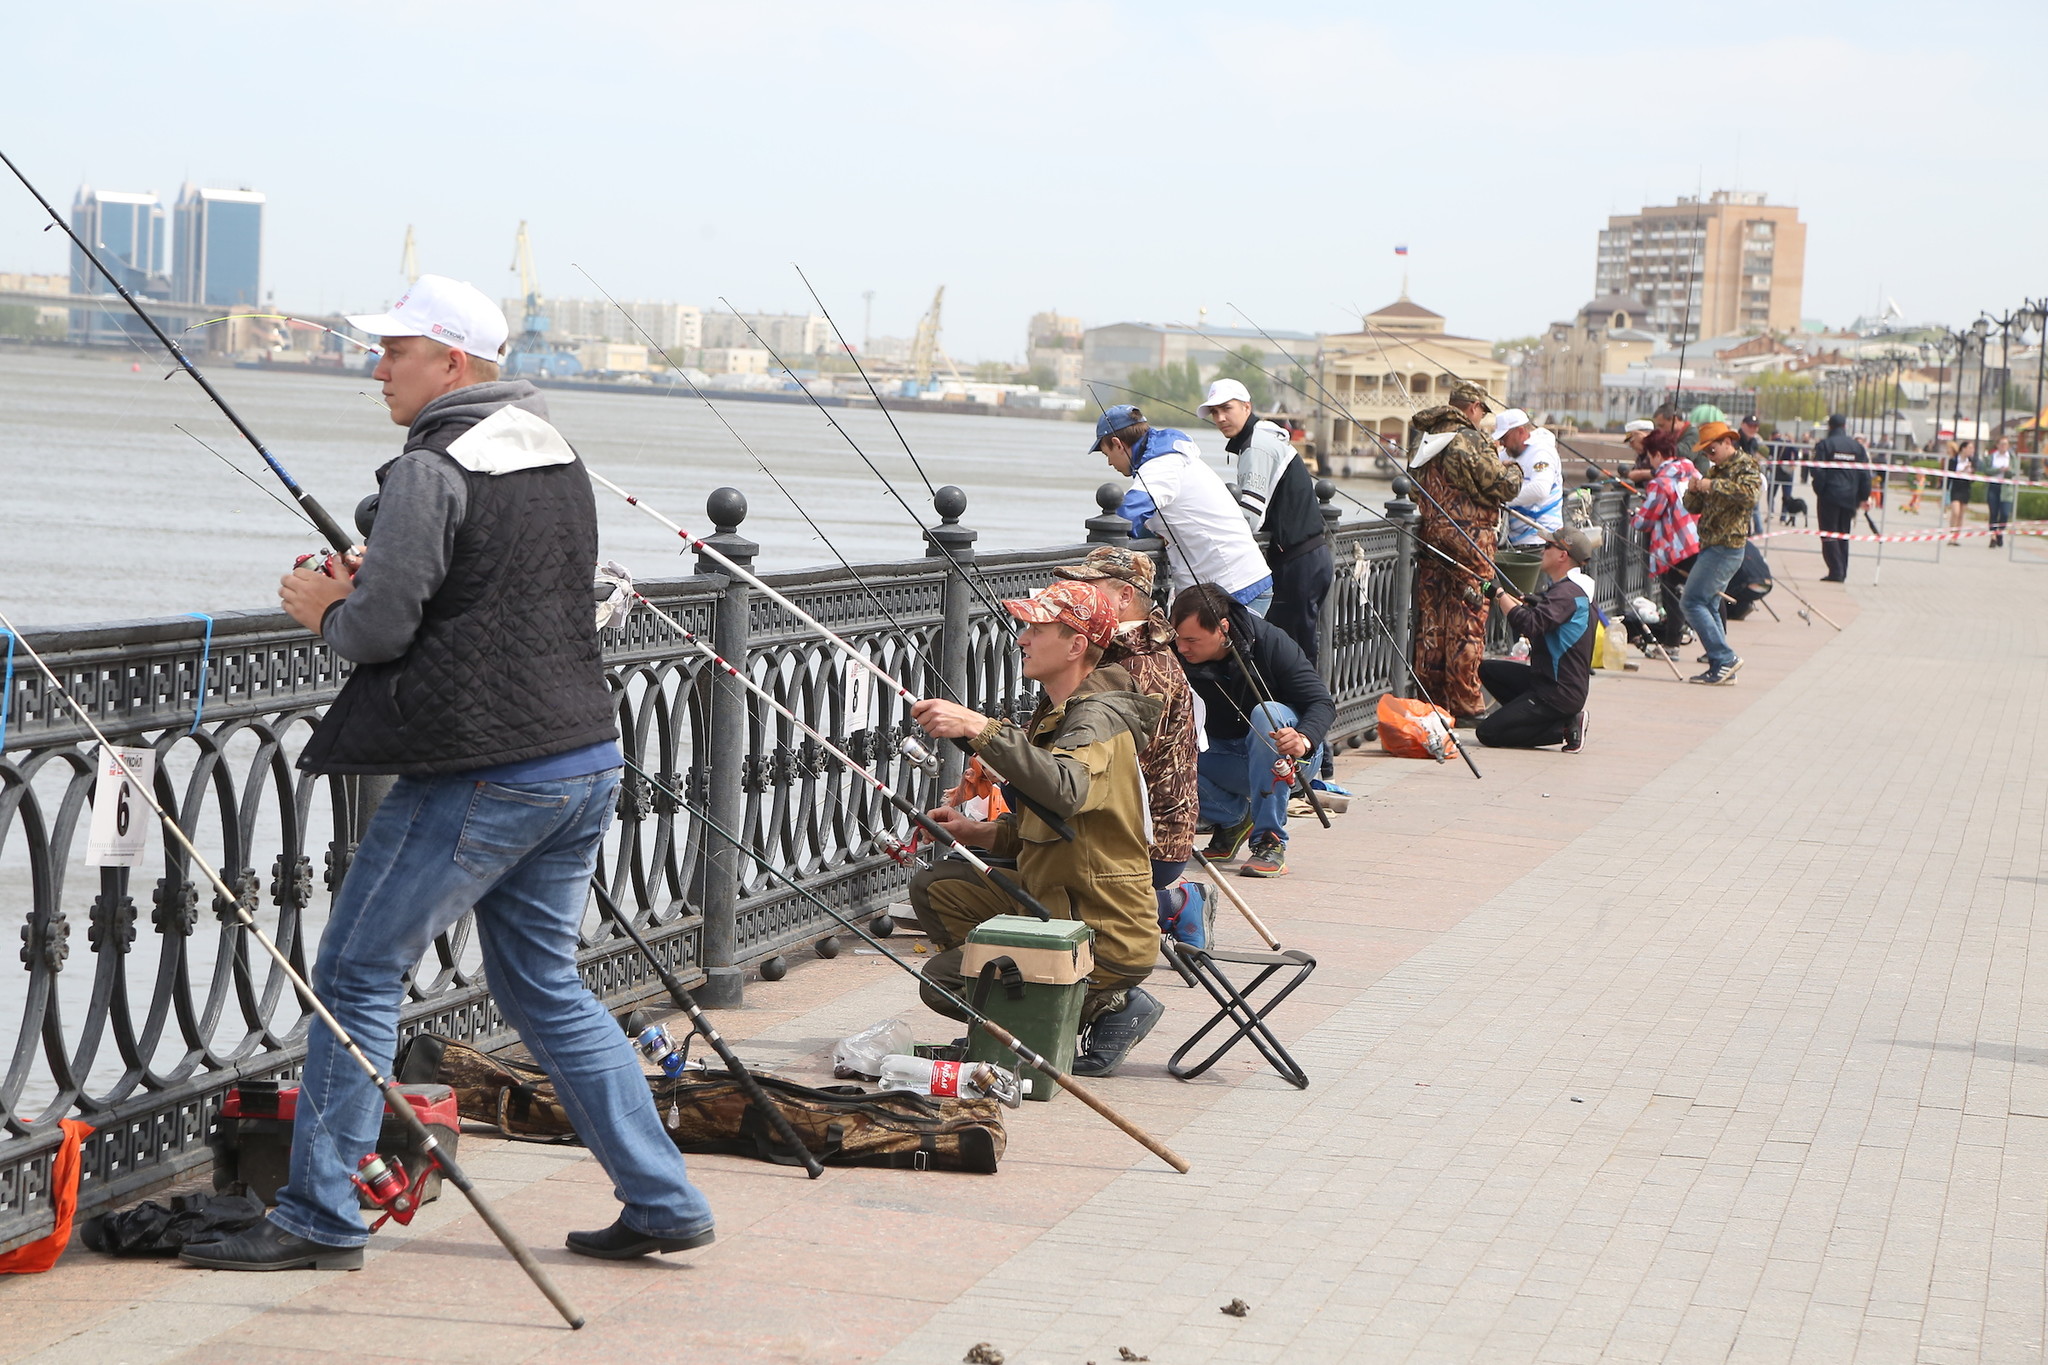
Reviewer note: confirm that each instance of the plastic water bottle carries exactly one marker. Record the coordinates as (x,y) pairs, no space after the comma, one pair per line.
(950,1080)
(859,1058)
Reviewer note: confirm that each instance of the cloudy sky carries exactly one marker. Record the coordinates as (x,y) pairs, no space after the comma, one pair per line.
(1114,160)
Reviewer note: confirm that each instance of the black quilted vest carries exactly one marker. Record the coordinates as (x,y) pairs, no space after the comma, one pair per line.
(505,666)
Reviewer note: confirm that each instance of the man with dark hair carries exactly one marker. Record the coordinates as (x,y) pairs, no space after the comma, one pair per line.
(1279,498)
(478,682)
(1235,661)
(1464,483)
(1078,758)
(1178,498)
(1143,647)
(1543,701)
(1838,494)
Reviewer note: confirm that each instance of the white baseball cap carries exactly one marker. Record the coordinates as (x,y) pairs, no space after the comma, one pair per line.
(451,312)
(1223,391)
(1640,424)
(1505,422)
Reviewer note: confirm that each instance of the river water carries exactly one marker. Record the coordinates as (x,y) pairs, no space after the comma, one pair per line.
(109,512)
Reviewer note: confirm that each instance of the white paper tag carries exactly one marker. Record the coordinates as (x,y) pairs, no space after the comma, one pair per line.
(855,716)
(121,816)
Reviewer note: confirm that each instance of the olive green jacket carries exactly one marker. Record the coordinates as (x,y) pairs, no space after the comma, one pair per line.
(1080,761)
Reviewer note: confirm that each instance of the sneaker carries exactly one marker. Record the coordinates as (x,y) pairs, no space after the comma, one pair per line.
(1716,677)
(1112,1036)
(1575,737)
(1225,840)
(1268,858)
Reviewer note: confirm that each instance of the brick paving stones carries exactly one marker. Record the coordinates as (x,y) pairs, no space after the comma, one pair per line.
(1722,1041)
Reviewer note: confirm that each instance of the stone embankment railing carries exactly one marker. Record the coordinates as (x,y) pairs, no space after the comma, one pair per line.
(140,1002)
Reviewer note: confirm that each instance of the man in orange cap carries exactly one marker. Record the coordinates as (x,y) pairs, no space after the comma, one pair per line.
(1078,758)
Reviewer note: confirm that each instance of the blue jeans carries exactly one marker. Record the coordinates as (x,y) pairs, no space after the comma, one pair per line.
(1235,774)
(1711,571)
(522,855)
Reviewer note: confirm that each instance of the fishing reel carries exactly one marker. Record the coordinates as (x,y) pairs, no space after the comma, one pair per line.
(903,853)
(382,1180)
(332,563)
(659,1046)
(919,754)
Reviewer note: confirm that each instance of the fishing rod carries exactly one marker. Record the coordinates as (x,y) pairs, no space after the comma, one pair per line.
(262,488)
(1023,1052)
(909,636)
(296,322)
(924,822)
(330,529)
(701,1022)
(862,370)
(964,569)
(231,901)
(1298,780)
(839,642)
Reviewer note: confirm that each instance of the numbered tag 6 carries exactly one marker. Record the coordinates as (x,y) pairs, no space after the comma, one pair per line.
(121,816)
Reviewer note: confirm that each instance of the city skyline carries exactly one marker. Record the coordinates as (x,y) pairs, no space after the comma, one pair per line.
(1007,156)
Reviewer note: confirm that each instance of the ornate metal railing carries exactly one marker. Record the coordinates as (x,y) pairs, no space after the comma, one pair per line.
(141,1020)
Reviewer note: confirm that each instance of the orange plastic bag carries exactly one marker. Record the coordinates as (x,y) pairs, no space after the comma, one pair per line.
(1415,729)
(42,1253)
(977,784)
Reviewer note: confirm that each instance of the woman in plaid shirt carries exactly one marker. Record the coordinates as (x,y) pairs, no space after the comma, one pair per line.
(1673,532)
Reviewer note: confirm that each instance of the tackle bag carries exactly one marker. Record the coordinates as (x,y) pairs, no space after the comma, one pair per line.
(153,1229)
(1415,729)
(843,1125)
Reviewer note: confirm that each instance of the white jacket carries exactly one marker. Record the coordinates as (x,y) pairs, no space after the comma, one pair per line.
(1192,511)
(1542,495)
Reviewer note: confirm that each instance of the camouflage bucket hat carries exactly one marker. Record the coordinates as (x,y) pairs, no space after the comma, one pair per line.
(1112,561)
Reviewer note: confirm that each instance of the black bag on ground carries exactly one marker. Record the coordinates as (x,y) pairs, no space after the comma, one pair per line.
(843,1125)
(151,1229)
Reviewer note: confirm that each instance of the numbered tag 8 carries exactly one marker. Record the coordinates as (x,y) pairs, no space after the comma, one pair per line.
(121,816)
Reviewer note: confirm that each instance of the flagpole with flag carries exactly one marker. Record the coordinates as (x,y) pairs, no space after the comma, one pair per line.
(1401,250)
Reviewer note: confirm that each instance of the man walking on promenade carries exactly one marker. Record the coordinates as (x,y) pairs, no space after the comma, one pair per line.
(1178,498)
(1464,484)
(1279,498)
(1723,503)
(1838,493)
(478,682)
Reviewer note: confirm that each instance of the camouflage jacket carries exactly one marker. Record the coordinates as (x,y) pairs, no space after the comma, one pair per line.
(1145,651)
(1467,477)
(1724,512)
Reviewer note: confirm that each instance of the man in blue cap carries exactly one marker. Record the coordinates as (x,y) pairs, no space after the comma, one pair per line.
(1176,496)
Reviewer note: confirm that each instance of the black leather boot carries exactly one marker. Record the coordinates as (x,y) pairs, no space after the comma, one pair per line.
(269,1247)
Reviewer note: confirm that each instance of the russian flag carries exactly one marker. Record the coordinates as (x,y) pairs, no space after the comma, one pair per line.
(1400,251)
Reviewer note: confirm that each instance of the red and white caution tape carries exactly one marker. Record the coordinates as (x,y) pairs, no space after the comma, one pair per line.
(2017,528)
(1924,471)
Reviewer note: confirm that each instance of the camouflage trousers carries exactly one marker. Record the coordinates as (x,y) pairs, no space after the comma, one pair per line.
(1450,638)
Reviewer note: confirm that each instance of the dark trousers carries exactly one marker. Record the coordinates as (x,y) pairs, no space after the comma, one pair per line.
(1836,516)
(1670,632)
(1997,505)
(1300,585)
(1522,722)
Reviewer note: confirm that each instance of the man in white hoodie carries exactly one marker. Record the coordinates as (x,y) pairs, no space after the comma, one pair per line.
(1542,495)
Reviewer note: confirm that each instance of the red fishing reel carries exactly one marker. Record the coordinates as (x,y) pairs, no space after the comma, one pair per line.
(382,1181)
(332,563)
(904,853)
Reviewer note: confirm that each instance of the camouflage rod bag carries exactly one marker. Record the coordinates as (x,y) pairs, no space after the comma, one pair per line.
(843,1125)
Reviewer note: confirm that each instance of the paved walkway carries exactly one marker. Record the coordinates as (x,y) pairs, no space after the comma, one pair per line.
(1722,1041)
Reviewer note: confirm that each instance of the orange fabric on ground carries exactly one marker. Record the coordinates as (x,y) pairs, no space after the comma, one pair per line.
(42,1253)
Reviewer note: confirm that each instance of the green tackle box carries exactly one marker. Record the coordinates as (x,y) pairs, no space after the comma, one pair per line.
(1054,957)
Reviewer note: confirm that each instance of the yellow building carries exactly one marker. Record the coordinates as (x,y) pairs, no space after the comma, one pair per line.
(1399,361)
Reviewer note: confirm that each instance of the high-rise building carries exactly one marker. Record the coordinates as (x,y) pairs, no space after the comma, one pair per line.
(127,232)
(219,247)
(1716,267)
(790,334)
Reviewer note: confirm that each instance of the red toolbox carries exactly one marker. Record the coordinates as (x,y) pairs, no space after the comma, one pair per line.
(252,1143)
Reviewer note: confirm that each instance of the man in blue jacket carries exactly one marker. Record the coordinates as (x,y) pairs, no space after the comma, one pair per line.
(1544,701)
(1838,493)
(478,683)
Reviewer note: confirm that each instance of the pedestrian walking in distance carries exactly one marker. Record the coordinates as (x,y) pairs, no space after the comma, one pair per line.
(1839,494)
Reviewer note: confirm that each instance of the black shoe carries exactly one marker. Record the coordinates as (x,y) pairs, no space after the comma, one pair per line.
(1575,737)
(1112,1036)
(269,1247)
(1226,840)
(620,1243)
